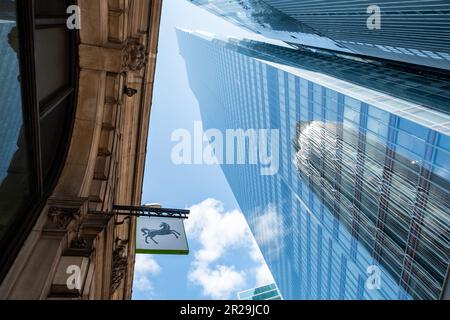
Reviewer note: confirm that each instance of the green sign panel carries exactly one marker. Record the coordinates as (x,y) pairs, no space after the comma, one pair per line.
(160,235)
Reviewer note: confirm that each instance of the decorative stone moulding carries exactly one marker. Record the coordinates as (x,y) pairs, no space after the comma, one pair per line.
(80,244)
(60,218)
(119,267)
(134,56)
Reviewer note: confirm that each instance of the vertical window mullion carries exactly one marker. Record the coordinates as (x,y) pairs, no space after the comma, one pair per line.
(26,25)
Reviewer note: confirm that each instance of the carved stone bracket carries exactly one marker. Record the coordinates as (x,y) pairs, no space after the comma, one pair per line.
(119,268)
(80,247)
(80,244)
(60,218)
(134,56)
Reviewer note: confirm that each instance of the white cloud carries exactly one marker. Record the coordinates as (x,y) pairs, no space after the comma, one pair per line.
(145,267)
(219,231)
(219,282)
(262,271)
(263,276)
(146,264)
(269,226)
(142,283)
(216,230)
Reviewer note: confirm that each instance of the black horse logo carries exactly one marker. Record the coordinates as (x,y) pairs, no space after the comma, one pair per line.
(164,231)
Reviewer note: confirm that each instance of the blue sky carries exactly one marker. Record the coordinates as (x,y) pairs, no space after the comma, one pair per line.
(224,258)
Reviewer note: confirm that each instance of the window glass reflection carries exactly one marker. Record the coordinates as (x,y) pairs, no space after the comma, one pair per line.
(14,174)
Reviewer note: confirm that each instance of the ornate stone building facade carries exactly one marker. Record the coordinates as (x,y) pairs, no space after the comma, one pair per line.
(104,164)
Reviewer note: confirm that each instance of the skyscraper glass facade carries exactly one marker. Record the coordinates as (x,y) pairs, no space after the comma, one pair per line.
(359,206)
(266,20)
(269,292)
(409,31)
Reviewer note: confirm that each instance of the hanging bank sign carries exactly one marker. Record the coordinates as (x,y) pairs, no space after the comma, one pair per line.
(161,235)
(158,230)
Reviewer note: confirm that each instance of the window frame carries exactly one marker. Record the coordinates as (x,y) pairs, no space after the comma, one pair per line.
(42,187)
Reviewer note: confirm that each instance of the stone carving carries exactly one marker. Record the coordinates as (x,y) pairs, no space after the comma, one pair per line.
(119,268)
(59,218)
(134,57)
(80,244)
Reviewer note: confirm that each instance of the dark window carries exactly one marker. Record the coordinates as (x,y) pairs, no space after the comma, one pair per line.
(38,76)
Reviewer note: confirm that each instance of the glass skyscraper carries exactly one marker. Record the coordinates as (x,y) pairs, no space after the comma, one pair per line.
(269,292)
(410,31)
(359,207)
